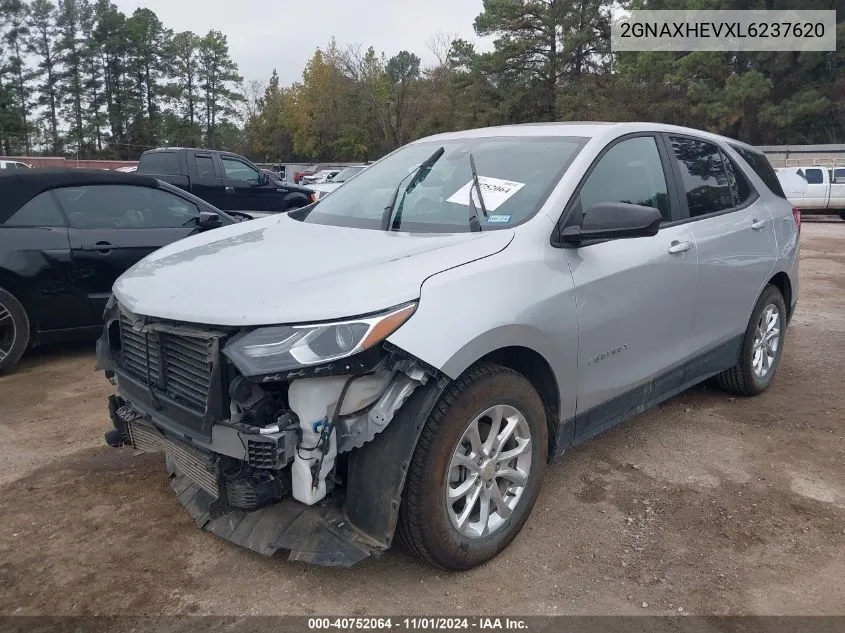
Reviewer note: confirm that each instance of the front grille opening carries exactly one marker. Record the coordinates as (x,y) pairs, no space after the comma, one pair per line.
(178,365)
(114,336)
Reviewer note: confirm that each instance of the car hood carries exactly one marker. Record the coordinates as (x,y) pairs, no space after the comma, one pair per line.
(326,186)
(281,270)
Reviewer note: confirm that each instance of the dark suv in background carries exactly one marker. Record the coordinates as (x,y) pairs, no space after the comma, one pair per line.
(228,181)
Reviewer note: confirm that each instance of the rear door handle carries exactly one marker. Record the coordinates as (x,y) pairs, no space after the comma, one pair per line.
(102,247)
(679,247)
(758,224)
(230,189)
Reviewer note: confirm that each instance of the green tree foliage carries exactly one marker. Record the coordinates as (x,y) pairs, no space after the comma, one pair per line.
(70,50)
(16,76)
(81,76)
(42,45)
(184,89)
(218,75)
(149,42)
(759,97)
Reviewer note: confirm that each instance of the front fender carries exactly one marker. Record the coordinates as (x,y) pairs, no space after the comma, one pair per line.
(377,470)
(523,297)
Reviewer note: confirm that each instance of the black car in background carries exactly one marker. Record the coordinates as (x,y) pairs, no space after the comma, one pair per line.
(67,235)
(228,181)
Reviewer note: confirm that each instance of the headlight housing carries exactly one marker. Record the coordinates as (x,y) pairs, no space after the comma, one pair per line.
(271,350)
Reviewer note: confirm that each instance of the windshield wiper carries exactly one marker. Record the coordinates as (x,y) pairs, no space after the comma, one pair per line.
(419,175)
(474,224)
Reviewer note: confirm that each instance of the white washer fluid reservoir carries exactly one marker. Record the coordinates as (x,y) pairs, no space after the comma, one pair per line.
(314,400)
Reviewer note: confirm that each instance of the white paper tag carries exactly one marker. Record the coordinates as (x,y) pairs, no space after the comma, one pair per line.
(495,191)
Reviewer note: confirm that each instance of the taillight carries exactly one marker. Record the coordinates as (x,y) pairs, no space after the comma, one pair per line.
(796,215)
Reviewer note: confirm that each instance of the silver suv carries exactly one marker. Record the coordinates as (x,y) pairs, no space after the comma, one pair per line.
(407,354)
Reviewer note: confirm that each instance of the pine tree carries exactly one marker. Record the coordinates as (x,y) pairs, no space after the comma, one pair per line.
(149,43)
(92,68)
(219,80)
(70,50)
(184,56)
(42,44)
(16,13)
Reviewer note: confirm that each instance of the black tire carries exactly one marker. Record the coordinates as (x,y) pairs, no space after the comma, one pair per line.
(297,203)
(14,330)
(424,524)
(741,378)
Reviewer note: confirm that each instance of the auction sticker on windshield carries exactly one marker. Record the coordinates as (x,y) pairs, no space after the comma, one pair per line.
(495,191)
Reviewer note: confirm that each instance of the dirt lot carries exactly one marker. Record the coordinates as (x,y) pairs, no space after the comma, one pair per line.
(708,505)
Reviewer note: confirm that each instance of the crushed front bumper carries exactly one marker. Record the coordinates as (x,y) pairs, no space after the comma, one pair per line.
(319,534)
(310,534)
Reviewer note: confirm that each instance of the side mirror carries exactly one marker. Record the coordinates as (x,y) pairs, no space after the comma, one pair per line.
(209,220)
(612,221)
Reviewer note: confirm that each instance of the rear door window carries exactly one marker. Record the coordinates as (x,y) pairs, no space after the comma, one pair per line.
(41,210)
(703,175)
(839,176)
(160,163)
(206,167)
(741,190)
(762,167)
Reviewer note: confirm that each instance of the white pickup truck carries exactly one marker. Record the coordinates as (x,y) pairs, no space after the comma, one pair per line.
(814,188)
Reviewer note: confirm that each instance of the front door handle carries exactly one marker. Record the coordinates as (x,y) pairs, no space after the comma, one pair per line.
(679,247)
(757,224)
(230,189)
(101,247)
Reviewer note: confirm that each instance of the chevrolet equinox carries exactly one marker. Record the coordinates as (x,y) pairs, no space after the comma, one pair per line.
(406,355)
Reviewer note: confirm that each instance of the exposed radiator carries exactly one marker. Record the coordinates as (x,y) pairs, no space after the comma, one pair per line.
(191,463)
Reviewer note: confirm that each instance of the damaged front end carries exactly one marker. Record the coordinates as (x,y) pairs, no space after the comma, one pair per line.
(275,438)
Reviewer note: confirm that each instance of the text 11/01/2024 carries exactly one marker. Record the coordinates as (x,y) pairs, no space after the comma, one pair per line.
(422,623)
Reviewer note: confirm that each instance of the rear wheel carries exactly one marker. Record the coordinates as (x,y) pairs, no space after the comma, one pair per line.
(14,330)
(297,203)
(477,469)
(761,349)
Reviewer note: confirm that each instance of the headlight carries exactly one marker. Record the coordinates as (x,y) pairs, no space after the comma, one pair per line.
(272,350)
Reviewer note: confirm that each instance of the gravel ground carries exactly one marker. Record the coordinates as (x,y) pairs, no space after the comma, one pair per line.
(706,505)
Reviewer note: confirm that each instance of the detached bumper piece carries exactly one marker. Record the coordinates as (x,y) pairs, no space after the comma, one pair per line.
(319,536)
(255,512)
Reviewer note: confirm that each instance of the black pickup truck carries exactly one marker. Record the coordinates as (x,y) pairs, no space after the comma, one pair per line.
(227,181)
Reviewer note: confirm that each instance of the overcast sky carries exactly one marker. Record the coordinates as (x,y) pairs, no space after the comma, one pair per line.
(283,34)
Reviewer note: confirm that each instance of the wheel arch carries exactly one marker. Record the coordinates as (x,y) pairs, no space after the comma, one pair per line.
(537,370)
(782,282)
(15,286)
(294,198)
(518,347)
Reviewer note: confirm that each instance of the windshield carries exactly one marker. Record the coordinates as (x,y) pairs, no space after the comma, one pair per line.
(346,174)
(516,175)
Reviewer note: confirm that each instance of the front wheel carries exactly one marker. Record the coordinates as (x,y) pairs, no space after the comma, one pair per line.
(761,349)
(14,330)
(477,469)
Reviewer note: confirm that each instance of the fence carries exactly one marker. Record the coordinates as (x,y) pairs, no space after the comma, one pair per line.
(832,155)
(69,163)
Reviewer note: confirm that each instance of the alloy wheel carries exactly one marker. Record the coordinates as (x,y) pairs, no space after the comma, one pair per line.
(7,332)
(488,471)
(766,341)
